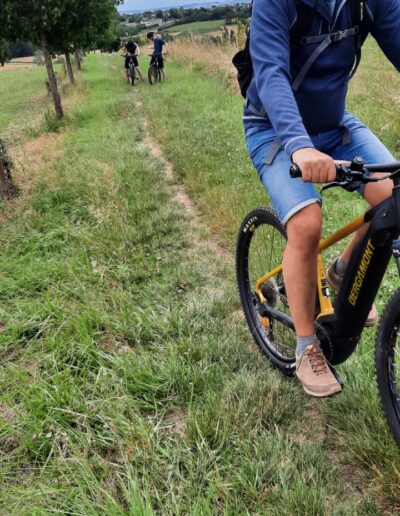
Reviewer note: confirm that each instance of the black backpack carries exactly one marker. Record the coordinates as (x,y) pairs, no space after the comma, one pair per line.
(298,37)
(131,47)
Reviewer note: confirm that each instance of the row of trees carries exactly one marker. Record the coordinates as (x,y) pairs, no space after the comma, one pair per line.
(58,26)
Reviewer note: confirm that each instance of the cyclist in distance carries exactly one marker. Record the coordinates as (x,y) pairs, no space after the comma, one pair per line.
(303,54)
(159,43)
(132,51)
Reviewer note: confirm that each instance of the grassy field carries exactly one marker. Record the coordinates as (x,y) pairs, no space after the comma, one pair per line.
(21,112)
(129,381)
(197,27)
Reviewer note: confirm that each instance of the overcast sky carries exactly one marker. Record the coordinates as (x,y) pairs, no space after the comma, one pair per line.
(153,4)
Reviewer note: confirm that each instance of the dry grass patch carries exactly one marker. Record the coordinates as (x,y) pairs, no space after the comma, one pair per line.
(32,156)
(214,60)
(16,64)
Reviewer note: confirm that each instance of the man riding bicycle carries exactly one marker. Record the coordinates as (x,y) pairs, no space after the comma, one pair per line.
(295,113)
(159,43)
(132,51)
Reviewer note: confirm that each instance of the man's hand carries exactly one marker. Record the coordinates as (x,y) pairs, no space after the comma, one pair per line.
(315,166)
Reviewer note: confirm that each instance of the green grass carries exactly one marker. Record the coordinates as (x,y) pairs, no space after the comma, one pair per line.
(22,106)
(198,123)
(129,384)
(203,27)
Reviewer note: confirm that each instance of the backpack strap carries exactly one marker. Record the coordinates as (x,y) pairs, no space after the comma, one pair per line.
(357,16)
(357,11)
(333,36)
(310,61)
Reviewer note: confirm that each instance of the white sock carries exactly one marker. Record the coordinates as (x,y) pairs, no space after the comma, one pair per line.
(303,343)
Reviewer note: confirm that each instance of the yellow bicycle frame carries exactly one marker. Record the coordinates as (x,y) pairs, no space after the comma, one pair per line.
(323,289)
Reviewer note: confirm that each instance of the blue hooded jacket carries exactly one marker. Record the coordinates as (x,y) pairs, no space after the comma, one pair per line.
(319,103)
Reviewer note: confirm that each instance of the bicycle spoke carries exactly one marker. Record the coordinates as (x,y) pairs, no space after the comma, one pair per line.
(266,248)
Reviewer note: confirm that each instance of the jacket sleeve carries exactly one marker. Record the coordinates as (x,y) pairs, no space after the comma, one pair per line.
(270,51)
(386,29)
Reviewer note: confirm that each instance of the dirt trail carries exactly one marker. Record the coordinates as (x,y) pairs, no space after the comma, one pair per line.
(179,193)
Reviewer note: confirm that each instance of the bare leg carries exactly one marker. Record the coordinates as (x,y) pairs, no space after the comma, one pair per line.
(127,74)
(139,73)
(300,267)
(374,193)
(164,74)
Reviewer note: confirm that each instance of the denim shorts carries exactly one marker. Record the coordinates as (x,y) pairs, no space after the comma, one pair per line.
(288,195)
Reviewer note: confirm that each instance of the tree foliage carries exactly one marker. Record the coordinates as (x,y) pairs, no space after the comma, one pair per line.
(87,23)
(14,49)
(56,26)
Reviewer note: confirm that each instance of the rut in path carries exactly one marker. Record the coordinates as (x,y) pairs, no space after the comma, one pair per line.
(179,194)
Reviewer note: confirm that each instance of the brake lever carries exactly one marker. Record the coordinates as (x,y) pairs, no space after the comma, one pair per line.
(349,187)
(353,186)
(333,184)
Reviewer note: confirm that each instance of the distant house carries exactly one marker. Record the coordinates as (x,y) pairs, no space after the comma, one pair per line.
(155,22)
(168,23)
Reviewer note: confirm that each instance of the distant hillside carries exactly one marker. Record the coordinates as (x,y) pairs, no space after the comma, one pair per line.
(194,5)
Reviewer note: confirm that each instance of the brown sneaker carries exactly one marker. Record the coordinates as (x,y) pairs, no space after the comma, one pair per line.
(335,281)
(314,373)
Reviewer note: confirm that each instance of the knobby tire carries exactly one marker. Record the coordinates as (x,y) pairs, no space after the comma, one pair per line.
(387,363)
(260,244)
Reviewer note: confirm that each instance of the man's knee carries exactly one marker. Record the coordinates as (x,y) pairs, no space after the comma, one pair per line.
(374,193)
(305,227)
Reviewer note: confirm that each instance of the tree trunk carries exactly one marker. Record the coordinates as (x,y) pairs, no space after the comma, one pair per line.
(7,188)
(69,67)
(78,59)
(52,77)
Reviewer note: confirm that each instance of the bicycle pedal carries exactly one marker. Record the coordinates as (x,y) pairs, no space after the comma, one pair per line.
(337,376)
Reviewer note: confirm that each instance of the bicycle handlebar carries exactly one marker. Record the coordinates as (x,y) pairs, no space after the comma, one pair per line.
(350,176)
(357,168)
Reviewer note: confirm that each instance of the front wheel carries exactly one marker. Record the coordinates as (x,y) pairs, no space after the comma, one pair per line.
(260,246)
(387,362)
(132,73)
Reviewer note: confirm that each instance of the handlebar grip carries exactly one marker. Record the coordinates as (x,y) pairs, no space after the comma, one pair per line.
(295,171)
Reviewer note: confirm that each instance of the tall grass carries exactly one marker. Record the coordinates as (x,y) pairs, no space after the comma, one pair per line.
(206,57)
(24,98)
